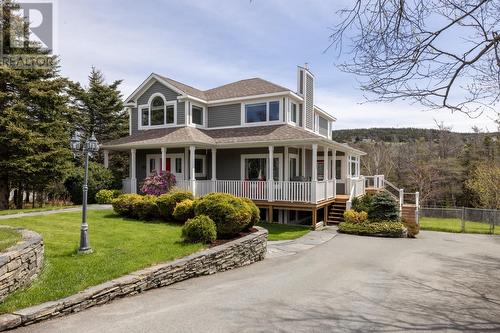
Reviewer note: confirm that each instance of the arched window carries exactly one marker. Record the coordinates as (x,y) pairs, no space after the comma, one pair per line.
(157,111)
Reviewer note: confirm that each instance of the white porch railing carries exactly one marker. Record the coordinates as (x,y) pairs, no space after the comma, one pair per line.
(290,191)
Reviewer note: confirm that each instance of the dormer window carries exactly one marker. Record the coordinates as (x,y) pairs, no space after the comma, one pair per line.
(158,113)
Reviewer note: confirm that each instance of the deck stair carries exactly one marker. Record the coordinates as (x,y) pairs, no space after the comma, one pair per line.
(336,211)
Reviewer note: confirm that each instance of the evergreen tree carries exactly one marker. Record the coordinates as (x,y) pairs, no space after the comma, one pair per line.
(100,111)
(34,126)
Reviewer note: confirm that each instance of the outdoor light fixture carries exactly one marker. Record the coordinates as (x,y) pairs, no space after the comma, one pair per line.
(90,148)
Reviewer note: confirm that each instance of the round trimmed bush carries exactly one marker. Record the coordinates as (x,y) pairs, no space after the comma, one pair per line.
(184,210)
(255,212)
(199,229)
(104,197)
(124,204)
(352,216)
(230,214)
(167,202)
(146,208)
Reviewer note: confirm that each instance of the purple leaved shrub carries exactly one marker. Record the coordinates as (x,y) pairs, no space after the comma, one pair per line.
(158,184)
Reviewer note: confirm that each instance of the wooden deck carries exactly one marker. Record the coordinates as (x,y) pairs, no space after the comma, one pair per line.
(301,206)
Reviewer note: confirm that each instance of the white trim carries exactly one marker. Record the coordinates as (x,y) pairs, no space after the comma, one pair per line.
(166,103)
(204,167)
(203,115)
(261,96)
(324,113)
(147,84)
(279,156)
(244,122)
(171,157)
(290,120)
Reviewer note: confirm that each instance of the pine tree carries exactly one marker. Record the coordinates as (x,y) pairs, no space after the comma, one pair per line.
(100,111)
(34,126)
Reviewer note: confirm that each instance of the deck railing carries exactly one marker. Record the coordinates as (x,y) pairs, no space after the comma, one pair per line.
(290,191)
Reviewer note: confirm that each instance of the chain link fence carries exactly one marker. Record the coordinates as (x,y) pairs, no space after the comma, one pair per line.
(461,219)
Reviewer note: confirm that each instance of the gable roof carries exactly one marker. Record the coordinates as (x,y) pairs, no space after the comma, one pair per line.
(242,88)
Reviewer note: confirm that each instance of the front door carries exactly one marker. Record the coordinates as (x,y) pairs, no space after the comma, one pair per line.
(174,163)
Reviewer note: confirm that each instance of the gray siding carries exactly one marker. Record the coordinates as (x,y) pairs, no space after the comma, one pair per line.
(309,101)
(229,161)
(181,113)
(323,126)
(224,115)
(169,94)
(157,87)
(301,111)
(135,120)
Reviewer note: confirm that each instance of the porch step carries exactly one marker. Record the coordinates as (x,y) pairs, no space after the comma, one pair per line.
(336,211)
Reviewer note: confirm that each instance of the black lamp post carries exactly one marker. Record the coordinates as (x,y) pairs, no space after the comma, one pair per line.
(90,148)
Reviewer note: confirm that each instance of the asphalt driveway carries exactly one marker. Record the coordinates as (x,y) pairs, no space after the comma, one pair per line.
(439,281)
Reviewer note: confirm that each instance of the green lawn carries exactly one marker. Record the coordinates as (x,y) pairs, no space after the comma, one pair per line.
(284,231)
(455,225)
(120,246)
(30,210)
(8,237)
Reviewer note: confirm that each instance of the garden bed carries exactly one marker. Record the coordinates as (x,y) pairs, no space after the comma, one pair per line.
(375,229)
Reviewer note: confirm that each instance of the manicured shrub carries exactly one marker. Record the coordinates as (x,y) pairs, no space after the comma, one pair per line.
(363,203)
(167,202)
(230,214)
(383,229)
(184,210)
(146,208)
(412,227)
(100,178)
(199,229)
(158,184)
(106,196)
(352,216)
(383,208)
(255,211)
(124,205)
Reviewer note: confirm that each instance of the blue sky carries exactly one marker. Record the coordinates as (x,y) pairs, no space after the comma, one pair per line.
(206,43)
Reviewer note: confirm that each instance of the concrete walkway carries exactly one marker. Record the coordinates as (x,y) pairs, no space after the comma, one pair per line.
(306,242)
(55,211)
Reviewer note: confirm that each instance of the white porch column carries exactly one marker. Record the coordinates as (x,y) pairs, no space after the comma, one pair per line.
(303,164)
(133,179)
(106,158)
(270,177)
(186,163)
(326,160)
(314,170)
(214,169)
(287,164)
(163,159)
(192,174)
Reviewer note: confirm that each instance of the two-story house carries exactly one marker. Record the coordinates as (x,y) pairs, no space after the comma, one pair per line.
(251,138)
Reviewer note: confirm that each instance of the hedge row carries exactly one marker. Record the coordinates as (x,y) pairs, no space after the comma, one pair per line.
(229,214)
(384,229)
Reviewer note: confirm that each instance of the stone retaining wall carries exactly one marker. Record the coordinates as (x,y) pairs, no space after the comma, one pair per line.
(20,264)
(237,253)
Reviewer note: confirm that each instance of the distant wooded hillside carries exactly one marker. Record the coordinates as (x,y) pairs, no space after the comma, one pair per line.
(444,166)
(395,134)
